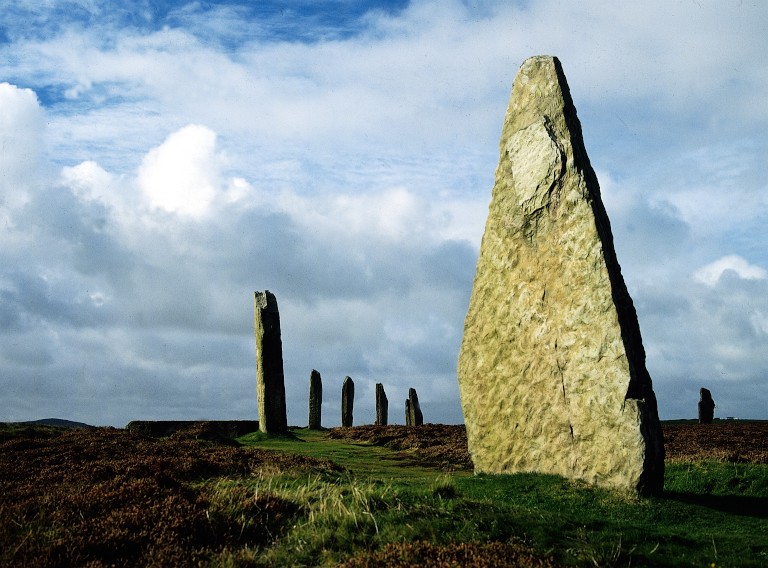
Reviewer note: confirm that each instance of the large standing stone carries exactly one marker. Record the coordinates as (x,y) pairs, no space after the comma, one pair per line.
(414,416)
(270,380)
(315,400)
(552,367)
(382,405)
(347,401)
(706,407)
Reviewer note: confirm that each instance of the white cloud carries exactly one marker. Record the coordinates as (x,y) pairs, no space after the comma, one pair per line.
(89,181)
(711,273)
(759,322)
(361,165)
(21,143)
(182,174)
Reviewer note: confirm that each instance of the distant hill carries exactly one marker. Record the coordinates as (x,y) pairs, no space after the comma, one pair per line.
(59,422)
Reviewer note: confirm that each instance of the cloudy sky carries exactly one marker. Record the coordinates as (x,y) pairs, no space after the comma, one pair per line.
(161,162)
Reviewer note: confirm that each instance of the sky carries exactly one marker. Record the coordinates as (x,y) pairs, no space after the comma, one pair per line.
(161,162)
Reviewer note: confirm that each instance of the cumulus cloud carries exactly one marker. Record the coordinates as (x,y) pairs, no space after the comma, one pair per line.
(711,273)
(182,174)
(21,139)
(347,167)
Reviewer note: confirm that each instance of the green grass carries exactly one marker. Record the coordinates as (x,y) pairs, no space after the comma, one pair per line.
(711,513)
(365,460)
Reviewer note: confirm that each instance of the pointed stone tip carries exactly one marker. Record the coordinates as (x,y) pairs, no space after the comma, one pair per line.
(265,299)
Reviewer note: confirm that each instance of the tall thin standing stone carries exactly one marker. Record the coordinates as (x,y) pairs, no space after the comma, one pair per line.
(347,401)
(408,413)
(417,418)
(552,368)
(270,380)
(315,399)
(706,407)
(382,405)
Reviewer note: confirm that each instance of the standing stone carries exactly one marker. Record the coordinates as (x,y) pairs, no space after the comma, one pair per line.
(382,405)
(706,407)
(347,401)
(416,418)
(270,380)
(315,399)
(552,367)
(408,413)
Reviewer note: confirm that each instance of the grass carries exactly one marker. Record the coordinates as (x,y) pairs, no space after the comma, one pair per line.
(254,507)
(365,460)
(711,512)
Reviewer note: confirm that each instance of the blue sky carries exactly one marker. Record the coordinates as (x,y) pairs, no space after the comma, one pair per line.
(161,162)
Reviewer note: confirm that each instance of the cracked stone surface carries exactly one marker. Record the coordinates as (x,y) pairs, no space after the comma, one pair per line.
(552,368)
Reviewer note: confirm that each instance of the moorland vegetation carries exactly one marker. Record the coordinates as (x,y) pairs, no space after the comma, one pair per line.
(365,496)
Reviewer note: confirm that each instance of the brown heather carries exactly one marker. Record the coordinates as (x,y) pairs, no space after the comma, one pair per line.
(101,497)
(445,446)
(433,445)
(730,441)
(463,554)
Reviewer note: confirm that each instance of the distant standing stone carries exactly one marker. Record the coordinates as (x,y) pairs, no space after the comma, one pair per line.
(315,400)
(552,367)
(414,408)
(382,405)
(347,401)
(270,380)
(706,407)
(408,413)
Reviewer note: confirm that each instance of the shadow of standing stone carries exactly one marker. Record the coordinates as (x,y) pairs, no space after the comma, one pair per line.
(347,401)
(706,407)
(315,400)
(382,405)
(270,379)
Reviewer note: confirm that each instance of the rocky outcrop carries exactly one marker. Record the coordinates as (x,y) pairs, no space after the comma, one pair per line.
(347,401)
(382,405)
(552,367)
(270,379)
(315,400)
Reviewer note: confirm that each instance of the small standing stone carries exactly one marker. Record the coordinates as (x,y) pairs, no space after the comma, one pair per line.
(706,407)
(315,399)
(417,418)
(408,413)
(347,401)
(270,380)
(382,405)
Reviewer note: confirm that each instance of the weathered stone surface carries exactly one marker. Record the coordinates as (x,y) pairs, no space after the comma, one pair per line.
(270,380)
(413,409)
(347,401)
(315,399)
(408,413)
(706,407)
(552,367)
(382,405)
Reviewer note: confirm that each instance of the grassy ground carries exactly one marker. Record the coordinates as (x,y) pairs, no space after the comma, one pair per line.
(110,497)
(711,512)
